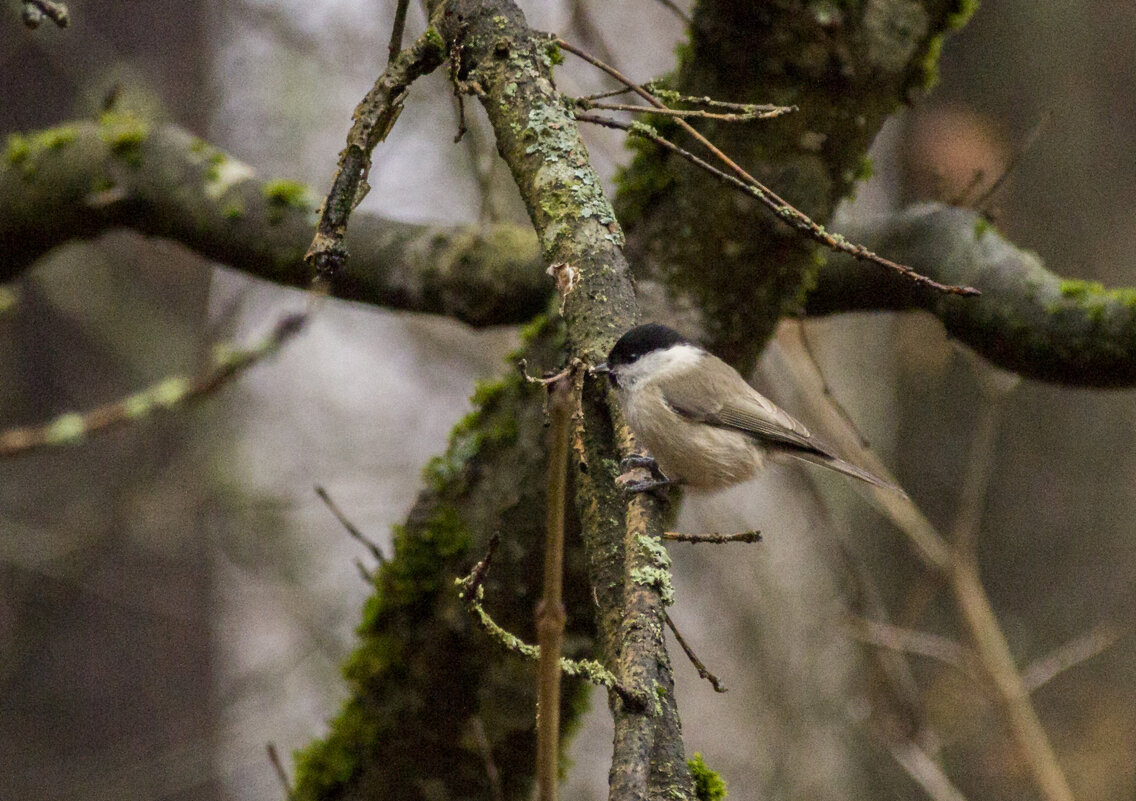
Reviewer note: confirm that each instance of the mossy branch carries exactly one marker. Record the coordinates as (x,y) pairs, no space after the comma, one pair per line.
(1027,320)
(80,179)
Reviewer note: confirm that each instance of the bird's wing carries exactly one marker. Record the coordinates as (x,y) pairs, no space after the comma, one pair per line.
(752,413)
(748,411)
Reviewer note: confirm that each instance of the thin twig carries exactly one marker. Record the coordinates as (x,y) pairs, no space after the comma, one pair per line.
(751,186)
(895,638)
(550,611)
(981,624)
(171,393)
(982,202)
(764,113)
(486,751)
(351,528)
(745,536)
(678,12)
(923,770)
(367,575)
(35,11)
(693,657)
(808,345)
(397,29)
(278,768)
(1080,649)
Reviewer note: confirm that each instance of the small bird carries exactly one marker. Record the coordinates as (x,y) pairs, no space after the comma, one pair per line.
(703,424)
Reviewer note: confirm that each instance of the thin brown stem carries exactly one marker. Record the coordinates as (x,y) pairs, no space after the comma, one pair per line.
(350,527)
(1080,649)
(278,769)
(397,29)
(764,113)
(741,179)
(550,612)
(744,536)
(703,673)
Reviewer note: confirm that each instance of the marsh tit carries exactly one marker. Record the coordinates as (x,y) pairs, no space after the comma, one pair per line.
(703,424)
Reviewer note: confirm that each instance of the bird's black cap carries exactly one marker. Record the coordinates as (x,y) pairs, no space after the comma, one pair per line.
(641,340)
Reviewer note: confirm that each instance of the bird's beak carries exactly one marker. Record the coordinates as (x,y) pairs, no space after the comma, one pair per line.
(600,369)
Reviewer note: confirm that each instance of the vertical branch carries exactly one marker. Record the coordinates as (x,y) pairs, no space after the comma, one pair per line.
(550,611)
(976,613)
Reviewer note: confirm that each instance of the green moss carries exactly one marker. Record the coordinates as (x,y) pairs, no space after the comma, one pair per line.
(18,149)
(125,134)
(865,169)
(434,39)
(55,138)
(233,211)
(285,193)
(329,764)
(1080,290)
(981,226)
(708,784)
(648,177)
(929,66)
(962,14)
(480,429)
(555,57)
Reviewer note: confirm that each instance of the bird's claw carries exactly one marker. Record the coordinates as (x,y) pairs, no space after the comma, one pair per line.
(638,460)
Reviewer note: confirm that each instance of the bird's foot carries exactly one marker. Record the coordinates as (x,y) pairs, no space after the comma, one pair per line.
(658,486)
(640,461)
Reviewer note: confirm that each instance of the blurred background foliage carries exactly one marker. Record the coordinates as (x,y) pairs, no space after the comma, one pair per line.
(173,596)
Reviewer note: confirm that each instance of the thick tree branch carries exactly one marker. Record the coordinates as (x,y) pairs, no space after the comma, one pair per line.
(846,66)
(80,179)
(83,178)
(509,68)
(1027,319)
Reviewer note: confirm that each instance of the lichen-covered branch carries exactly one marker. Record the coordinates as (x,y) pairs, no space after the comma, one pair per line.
(508,66)
(83,178)
(1027,319)
(372,121)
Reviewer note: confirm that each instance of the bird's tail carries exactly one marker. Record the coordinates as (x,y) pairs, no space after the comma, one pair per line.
(847,468)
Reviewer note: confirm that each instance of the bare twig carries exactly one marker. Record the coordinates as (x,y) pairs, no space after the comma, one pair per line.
(983,201)
(745,536)
(808,346)
(977,614)
(170,393)
(895,638)
(741,179)
(350,527)
(673,7)
(787,213)
(397,29)
(278,768)
(958,565)
(550,612)
(1080,649)
(749,113)
(486,750)
(35,11)
(923,770)
(703,673)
